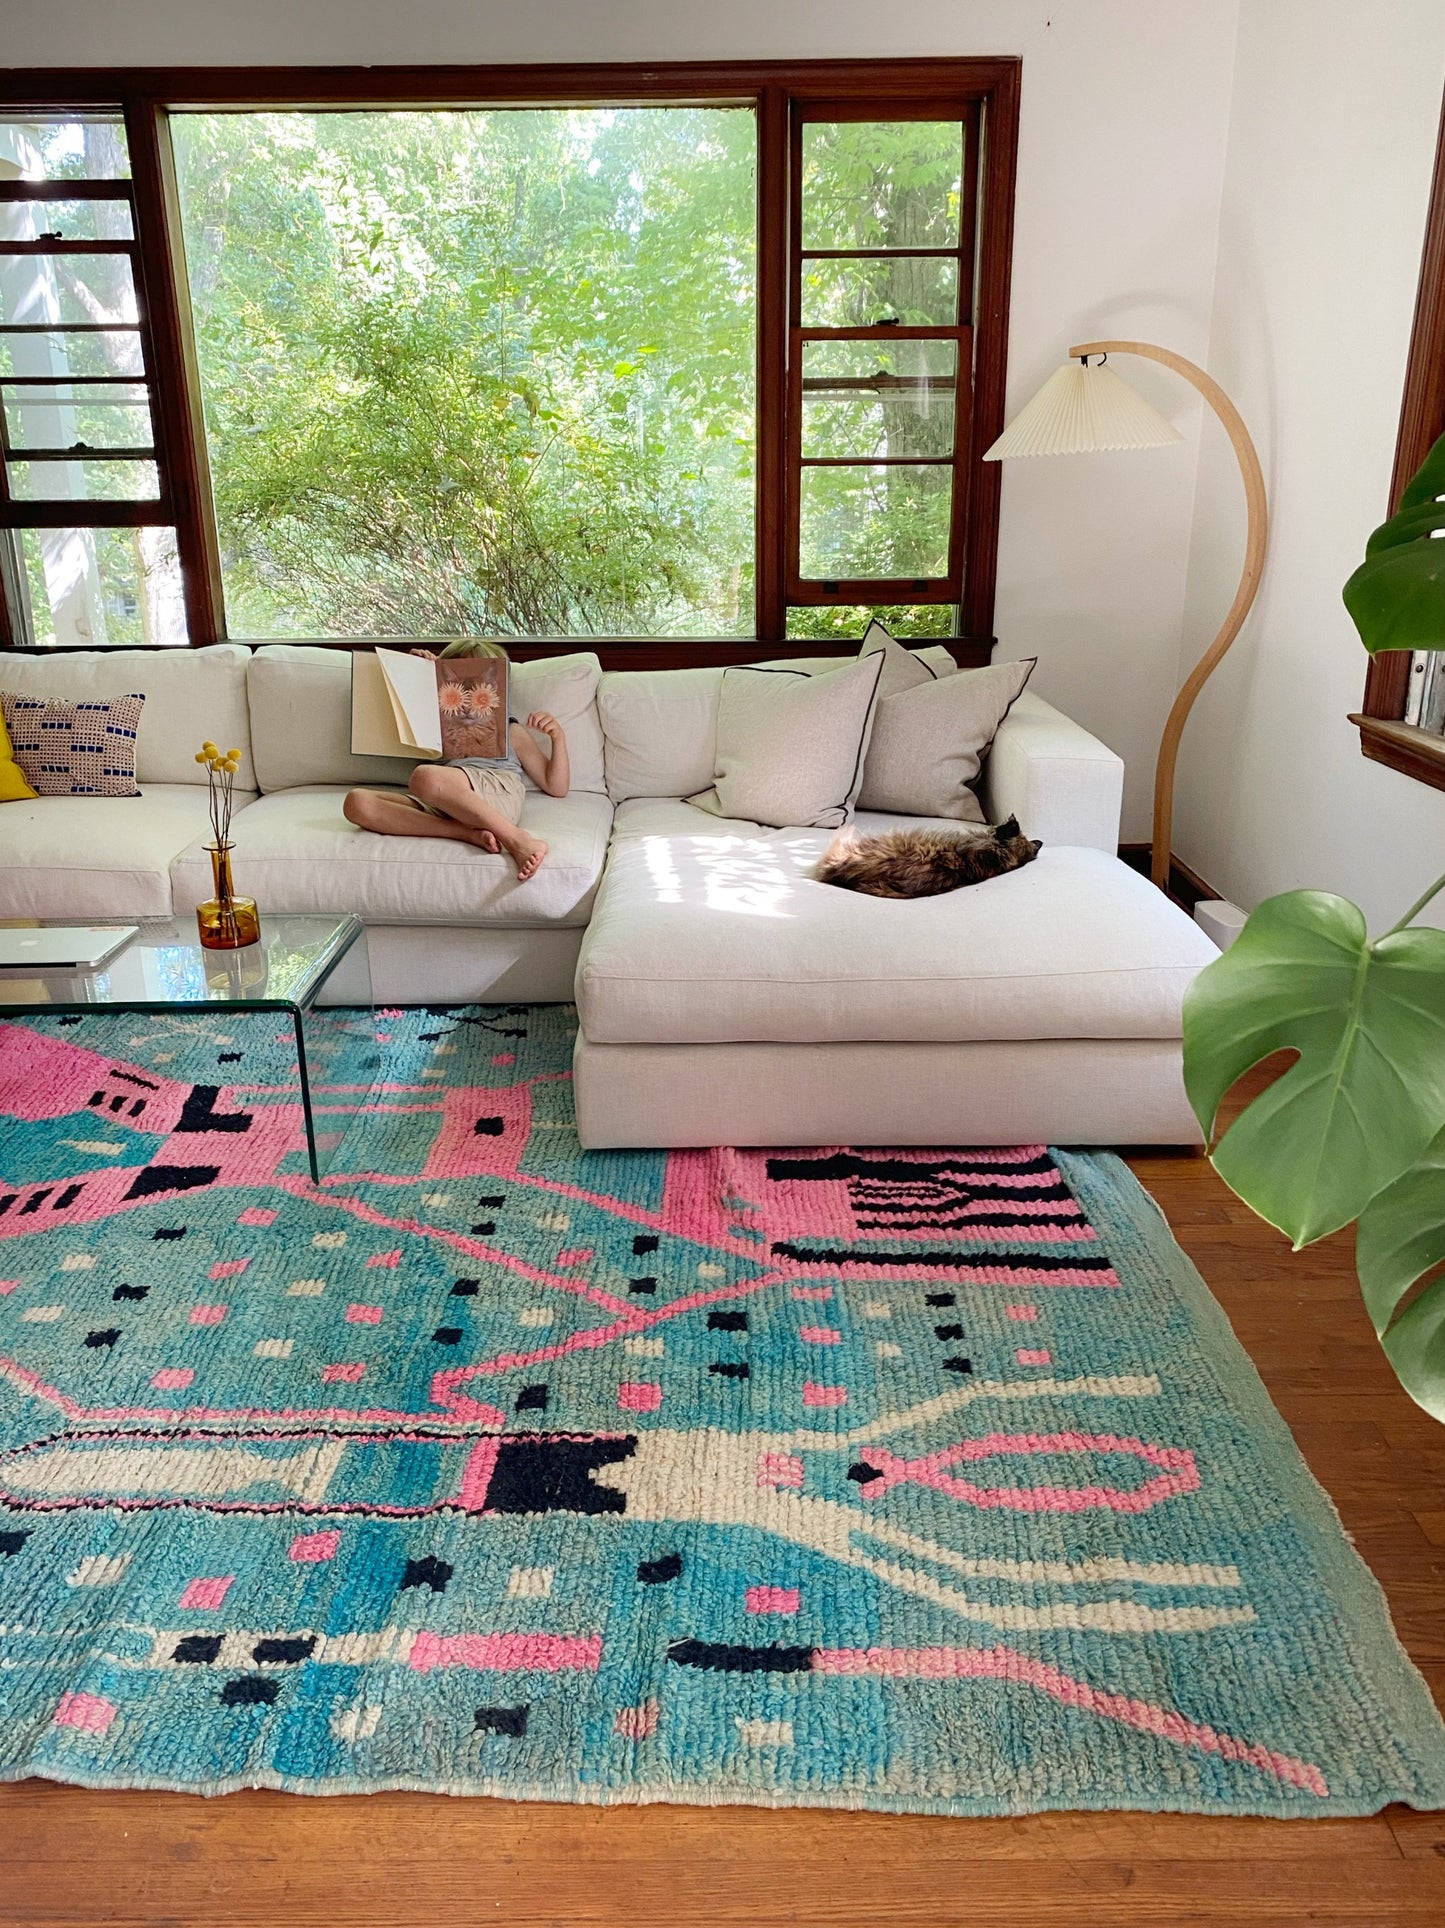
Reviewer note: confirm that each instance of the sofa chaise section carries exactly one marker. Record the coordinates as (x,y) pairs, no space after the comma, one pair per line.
(708,931)
(726,997)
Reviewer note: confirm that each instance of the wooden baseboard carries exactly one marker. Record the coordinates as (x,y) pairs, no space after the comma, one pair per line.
(1186,886)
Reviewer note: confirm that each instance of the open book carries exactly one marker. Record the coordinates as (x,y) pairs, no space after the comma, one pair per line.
(405,705)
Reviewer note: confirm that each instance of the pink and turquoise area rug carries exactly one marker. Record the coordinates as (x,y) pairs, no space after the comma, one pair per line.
(924,1480)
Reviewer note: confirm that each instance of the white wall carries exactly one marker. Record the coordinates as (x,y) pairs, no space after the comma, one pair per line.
(1121,163)
(1332,135)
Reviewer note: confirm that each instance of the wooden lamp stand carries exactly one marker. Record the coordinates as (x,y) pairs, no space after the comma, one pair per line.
(1257,530)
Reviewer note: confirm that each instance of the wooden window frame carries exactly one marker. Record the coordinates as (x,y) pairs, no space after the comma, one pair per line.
(20,513)
(1385,737)
(984,91)
(820,593)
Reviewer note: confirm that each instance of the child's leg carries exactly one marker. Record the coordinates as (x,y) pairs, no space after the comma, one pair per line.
(390,817)
(451,791)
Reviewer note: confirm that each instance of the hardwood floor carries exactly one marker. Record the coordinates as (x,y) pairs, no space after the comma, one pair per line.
(72,1859)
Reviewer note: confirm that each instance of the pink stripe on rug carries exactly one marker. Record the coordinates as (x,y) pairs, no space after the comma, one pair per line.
(31,1382)
(544,1653)
(1179,1473)
(444,1383)
(303,1188)
(1003,1663)
(477,1477)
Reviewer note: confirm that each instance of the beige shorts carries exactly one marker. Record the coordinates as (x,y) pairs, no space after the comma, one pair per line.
(503,789)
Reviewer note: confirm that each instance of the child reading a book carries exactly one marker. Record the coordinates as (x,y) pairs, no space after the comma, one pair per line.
(476,800)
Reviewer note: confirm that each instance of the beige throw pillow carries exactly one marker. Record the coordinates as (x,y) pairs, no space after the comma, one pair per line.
(902,670)
(929,742)
(790,747)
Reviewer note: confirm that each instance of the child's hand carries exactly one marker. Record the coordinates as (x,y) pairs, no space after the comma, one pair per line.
(429,655)
(546,723)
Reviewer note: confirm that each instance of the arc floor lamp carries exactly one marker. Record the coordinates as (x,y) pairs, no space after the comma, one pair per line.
(1084,407)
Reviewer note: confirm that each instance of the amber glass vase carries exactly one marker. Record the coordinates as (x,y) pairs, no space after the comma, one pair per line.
(226,922)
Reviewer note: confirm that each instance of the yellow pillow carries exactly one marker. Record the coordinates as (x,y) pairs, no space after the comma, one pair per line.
(13,787)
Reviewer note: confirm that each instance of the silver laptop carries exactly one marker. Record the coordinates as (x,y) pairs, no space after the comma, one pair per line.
(76,948)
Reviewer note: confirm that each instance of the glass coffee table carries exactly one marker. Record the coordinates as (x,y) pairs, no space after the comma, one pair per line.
(298,958)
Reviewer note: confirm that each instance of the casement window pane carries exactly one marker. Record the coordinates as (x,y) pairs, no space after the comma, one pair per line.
(878,398)
(81,353)
(54,415)
(882,184)
(847,623)
(65,221)
(869,523)
(478,372)
(43,290)
(80,480)
(100,587)
(64,147)
(916,290)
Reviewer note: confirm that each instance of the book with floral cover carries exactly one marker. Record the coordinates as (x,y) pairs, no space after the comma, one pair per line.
(403,705)
(472,705)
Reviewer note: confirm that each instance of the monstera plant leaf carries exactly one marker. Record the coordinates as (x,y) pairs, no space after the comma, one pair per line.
(1400,1237)
(1366,1094)
(1397,595)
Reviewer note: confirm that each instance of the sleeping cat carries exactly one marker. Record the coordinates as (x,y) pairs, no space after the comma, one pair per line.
(923,863)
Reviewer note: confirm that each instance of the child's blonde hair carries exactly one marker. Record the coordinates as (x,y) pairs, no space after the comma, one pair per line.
(475,646)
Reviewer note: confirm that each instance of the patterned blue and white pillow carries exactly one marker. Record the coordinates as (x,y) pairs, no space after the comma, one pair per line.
(75,749)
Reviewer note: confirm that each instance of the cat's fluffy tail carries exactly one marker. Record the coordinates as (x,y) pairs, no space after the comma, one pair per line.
(838,858)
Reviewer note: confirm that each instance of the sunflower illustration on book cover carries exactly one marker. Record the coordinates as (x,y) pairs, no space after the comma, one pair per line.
(472,704)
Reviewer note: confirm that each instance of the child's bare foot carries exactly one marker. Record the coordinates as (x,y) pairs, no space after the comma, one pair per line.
(526,852)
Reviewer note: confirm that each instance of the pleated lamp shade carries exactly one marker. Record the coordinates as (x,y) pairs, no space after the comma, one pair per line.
(1082,408)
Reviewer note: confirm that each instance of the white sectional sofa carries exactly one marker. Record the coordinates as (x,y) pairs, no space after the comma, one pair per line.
(724,997)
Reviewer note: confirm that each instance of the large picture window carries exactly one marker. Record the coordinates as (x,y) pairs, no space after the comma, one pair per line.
(478,372)
(679,360)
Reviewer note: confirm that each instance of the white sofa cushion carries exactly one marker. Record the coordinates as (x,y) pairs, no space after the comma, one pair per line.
(790,747)
(301,716)
(660,725)
(101,856)
(660,730)
(296,852)
(929,742)
(567,686)
(708,932)
(190,694)
(1062,1091)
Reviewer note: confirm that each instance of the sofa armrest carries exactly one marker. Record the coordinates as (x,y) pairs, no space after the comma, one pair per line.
(1063,785)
